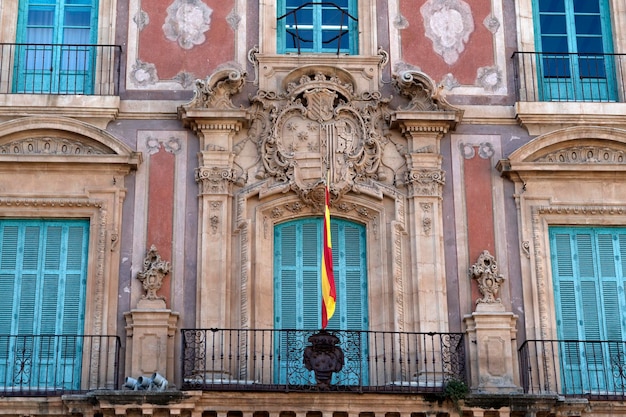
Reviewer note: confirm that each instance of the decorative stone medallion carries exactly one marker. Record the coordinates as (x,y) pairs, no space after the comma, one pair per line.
(448,24)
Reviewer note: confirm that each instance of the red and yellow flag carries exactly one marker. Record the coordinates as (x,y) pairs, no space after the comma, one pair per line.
(329,296)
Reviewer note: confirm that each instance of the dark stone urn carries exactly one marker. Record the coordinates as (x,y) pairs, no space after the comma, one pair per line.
(323,357)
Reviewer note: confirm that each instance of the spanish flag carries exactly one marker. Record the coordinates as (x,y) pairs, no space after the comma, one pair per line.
(329,296)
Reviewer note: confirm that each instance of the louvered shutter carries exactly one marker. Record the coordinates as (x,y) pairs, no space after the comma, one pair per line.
(44,268)
(297,289)
(589,292)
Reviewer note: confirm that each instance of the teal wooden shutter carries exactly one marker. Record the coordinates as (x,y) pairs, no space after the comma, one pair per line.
(582,28)
(297,292)
(589,293)
(56,55)
(44,266)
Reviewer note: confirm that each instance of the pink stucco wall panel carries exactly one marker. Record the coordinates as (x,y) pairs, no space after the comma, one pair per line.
(201,59)
(418,49)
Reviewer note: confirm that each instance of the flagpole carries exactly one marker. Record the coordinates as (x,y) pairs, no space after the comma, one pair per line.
(329,295)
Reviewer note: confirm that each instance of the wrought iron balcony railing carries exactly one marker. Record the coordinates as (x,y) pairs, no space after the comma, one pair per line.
(579,368)
(570,76)
(59,69)
(43,365)
(286,360)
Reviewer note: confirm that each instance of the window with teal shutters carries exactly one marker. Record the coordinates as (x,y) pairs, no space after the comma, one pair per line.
(317,26)
(43,266)
(297,295)
(55,51)
(588,276)
(575,42)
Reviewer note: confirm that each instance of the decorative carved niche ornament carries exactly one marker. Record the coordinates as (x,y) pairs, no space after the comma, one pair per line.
(485,272)
(320,127)
(154,270)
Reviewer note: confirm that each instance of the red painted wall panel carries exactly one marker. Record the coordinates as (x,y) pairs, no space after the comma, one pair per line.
(418,50)
(170,58)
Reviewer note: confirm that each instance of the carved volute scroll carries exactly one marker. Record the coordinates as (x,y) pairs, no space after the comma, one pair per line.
(320,127)
(485,272)
(217,89)
(422,92)
(154,270)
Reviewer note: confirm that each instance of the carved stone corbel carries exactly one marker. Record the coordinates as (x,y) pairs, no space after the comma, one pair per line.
(217,89)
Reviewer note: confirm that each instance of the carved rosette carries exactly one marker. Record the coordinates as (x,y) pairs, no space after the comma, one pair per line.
(154,270)
(485,272)
(320,128)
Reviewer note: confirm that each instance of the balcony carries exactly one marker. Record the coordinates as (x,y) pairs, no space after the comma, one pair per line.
(574,368)
(59,69)
(559,90)
(273,360)
(570,77)
(44,365)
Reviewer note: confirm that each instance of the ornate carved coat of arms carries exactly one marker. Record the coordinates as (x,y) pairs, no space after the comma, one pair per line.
(319,131)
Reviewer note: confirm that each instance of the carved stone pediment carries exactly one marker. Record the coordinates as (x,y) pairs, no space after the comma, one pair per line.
(319,129)
(585,154)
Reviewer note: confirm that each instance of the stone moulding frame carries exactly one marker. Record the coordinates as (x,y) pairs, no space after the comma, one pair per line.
(544,216)
(255,241)
(571,177)
(84,180)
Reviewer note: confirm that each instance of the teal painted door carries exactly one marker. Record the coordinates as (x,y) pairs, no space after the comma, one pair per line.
(297,296)
(43,269)
(588,266)
(56,53)
(317,27)
(573,40)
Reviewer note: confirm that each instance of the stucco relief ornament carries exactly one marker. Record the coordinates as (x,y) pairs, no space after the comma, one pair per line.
(485,272)
(449,24)
(186,22)
(154,270)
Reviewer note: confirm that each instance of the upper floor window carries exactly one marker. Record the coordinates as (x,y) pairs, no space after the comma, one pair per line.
(317,27)
(574,42)
(56,50)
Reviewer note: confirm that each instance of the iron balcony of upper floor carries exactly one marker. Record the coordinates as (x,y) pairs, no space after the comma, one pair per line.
(44,365)
(292,360)
(594,369)
(68,69)
(570,77)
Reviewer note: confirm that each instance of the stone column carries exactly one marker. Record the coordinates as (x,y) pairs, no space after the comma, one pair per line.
(491,331)
(151,327)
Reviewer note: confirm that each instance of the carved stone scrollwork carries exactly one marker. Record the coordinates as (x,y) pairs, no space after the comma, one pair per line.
(215,180)
(421,90)
(154,270)
(216,90)
(50,146)
(320,127)
(485,272)
(426,182)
